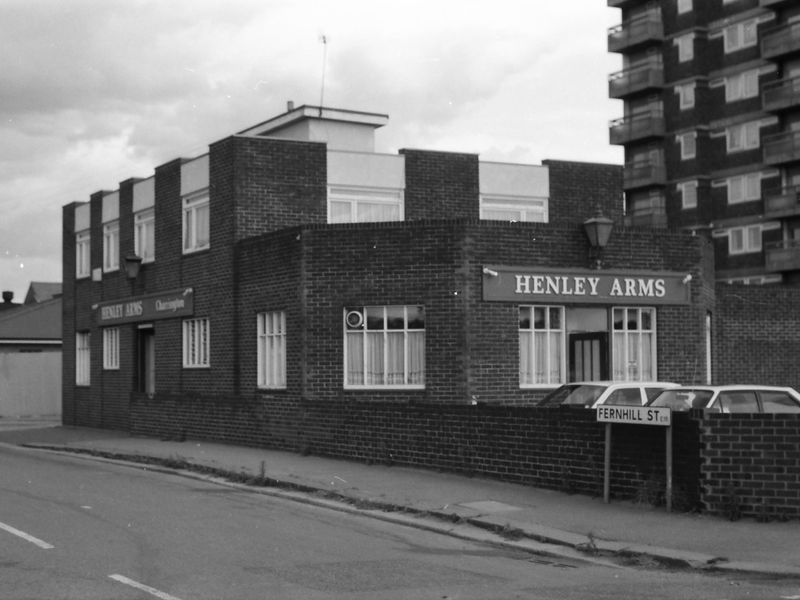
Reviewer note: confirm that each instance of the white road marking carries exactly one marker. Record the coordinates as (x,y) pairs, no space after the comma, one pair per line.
(145,588)
(26,537)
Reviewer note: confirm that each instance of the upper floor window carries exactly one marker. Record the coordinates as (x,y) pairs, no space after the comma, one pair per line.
(685,44)
(684,6)
(742,85)
(686,95)
(144,239)
(384,346)
(82,358)
(512,208)
(688,142)
(688,192)
(740,35)
(271,350)
(196,213)
(196,333)
(743,240)
(744,188)
(82,254)
(363,205)
(743,136)
(111,246)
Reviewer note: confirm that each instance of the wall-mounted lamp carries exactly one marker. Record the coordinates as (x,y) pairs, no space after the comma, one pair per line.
(490,272)
(598,230)
(132,265)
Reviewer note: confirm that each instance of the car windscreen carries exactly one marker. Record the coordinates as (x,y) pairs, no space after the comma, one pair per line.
(583,395)
(683,399)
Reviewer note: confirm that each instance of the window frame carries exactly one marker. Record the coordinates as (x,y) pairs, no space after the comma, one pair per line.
(742,137)
(525,206)
(623,355)
(742,85)
(740,240)
(196,352)
(271,350)
(83,358)
(357,197)
(687,95)
(685,45)
(736,37)
(750,185)
(111,246)
(111,348)
(83,254)
(683,187)
(144,234)
(688,144)
(684,6)
(192,204)
(555,342)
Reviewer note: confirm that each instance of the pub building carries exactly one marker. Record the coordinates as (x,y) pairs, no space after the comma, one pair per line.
(293,264)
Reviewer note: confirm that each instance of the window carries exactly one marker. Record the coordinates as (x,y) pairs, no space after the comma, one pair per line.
(688,192)
(82,356)
(111,246)
(686,95)
(271,350)
(195,343)
(541,345)
(744,136)
(384,346)
(742,85)
(362,205)
(684,6)
(688,142)
(196,222)
(144,239)
(685,45)
(740,35)
(634,344)
(111,348)
(744,240)
(82,254)
(510,208)
(744,188)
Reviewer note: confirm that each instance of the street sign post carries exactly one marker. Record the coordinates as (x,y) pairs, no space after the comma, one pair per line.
(635,415)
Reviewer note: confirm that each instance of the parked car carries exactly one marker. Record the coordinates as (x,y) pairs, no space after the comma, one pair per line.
(590,394)
(731,398)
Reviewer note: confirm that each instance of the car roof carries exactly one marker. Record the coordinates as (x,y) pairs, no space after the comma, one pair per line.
(624,383)
(735,387)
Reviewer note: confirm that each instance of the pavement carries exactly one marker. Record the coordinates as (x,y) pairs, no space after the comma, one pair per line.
(544,522)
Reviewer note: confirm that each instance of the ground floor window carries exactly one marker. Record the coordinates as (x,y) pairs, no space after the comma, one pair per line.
(384,347)
(558,344)
(111,348)
(196,334)
(82,358)
(272,350)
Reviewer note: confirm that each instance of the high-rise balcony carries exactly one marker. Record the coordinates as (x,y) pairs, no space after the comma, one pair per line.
(781,95)
(781,41)
(765,3)
(637,127)
(641,78)
(635,33)
(781,148)
(783,256)
(643,173)
(624,3)
(782,202)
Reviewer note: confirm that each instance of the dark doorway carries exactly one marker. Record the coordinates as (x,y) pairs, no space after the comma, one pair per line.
(146,370)
(588,356)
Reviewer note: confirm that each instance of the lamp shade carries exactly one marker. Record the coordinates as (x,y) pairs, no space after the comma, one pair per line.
(598,230)
(132,264)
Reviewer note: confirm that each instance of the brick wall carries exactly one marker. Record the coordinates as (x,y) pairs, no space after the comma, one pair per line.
(441,185)
(578,189)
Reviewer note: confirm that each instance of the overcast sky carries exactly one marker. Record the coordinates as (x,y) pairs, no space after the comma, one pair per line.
(93,92)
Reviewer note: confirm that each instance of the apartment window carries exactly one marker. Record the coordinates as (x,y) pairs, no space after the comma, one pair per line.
(196,213)
(744,240)
(684,6)
(688,142)
(111,348)
(634,344)
(512,208)
(743,136)
(82,358)
(144,239)
(685,45)
(686,95)
(740,35)
(362,205)
(111,246)
(541,345)
(196,343)
(271,351)
(688,192)
(741,86)
(384,347)
(744,188)
(82,254)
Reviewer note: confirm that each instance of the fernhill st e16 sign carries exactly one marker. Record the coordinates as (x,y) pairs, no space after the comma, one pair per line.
(525,284)
(164,305)
(635,415)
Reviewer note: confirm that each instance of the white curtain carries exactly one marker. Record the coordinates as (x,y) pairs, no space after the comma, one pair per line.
(416,357)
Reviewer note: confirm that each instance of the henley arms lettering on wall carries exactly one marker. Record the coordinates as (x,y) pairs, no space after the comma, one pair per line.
(164,305)
(521,284)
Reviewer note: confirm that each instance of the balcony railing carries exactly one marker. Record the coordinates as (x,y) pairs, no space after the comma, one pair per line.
(647,76)
(783,256)
(636,127)
(782,202)
(643,173)
(780,95)
(645,29)
(782,148)
(781,41)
